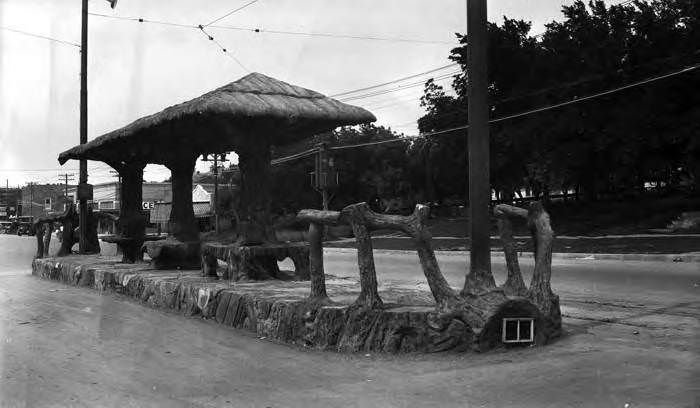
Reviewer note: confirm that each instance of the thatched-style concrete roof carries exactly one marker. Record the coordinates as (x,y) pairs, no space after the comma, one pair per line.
(256,108)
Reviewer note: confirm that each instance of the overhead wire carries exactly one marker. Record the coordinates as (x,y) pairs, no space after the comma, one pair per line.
(230,55)
(507,117)
(398,88)
(295,156)
(189,26)
(395,80)
(145,20)
(231,12)
(333,35)
(40,36)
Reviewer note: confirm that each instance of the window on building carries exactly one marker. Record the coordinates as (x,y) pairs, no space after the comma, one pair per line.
(518,330)
(106,205)
(47,204)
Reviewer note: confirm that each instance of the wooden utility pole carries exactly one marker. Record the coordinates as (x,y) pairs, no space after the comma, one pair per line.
(215,157)
(216,193)
(324,177)
(83,176)
(479,276)
(31,198)
(66,177)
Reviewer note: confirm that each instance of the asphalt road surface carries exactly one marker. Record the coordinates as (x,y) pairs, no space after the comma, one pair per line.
(633,340)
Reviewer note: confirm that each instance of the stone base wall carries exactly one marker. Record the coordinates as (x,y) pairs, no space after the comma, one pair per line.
(274,314)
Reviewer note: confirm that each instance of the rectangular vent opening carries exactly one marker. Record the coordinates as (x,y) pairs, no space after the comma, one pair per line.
(518,330)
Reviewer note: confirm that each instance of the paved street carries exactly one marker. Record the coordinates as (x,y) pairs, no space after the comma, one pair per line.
(632,338)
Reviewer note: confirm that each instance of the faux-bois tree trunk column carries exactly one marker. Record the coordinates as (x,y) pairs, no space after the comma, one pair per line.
(254,163)
(182,223)
(131,223)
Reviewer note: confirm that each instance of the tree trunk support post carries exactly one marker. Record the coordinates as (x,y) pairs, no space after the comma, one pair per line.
(360,214)
(514,286)
(355,216)
(254,164)
(182,223)
(39,230)
(540,291)
(318,277)
(131,223)
(317,219)
(540,287)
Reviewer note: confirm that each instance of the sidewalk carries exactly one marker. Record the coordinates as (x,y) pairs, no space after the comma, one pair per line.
(685,257)
(638,247)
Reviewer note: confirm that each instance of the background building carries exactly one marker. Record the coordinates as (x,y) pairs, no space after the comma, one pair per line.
(43,199)
(10,202)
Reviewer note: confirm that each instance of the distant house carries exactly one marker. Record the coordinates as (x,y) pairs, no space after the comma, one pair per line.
(202,196)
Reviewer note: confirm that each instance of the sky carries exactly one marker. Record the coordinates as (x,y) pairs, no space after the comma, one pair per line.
(136,69)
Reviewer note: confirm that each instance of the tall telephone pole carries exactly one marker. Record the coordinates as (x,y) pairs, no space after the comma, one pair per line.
(215,157)
(31,185)
(66,177)
(83,177)
(479,276)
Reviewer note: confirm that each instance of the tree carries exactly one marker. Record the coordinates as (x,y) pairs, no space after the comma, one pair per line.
(608,145)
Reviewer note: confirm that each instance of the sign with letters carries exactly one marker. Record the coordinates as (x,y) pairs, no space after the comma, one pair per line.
(147,205)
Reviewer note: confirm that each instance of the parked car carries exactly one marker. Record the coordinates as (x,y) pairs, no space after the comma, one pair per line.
(25,225)
(24,228)
(7,227)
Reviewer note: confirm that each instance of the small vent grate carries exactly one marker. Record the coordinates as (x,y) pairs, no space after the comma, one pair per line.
(518,330)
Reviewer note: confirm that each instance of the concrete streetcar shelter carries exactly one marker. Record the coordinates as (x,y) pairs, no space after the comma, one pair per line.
(247,116)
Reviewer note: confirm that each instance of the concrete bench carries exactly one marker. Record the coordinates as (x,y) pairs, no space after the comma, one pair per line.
(255,262)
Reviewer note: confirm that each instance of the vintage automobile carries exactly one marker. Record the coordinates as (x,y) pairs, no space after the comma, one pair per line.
(25,225)
(8,227)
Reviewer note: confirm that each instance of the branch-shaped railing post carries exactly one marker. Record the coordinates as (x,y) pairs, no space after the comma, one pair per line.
(364,220)
(355,215)
(415,225)
(514,286)
(540,291)
(540,287)
(317,219)
(317,273)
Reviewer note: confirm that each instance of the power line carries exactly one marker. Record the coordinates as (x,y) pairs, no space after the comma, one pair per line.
(39,36)
(530,112)
(166,23)
(294,156)
(211,38)
(231,12)
(144,20)
(395,80)
(37,170)
(398,88)
(333,35)
(597,95)
(281,32)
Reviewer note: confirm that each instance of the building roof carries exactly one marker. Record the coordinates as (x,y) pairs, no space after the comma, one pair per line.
(256,107)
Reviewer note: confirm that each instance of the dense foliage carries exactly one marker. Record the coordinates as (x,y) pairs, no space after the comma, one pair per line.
(608,146)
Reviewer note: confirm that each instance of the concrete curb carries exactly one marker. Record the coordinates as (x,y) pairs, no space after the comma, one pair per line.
(687,257)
